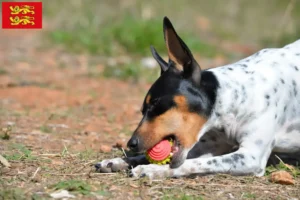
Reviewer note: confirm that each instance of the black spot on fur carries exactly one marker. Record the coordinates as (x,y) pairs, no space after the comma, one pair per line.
(236,96)
(282,81)
(296,68)
(209,162)
(257,61)
(275,90)
(237,156)
(218,114)
(297,54)
(275,116)
(267,96)
(242,163)
(285,107)
(230,68)
(227,160)
(214,161)
(273,143)
(253,157)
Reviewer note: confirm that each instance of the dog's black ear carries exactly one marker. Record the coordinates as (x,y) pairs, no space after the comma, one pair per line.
(163,64)
(180,54)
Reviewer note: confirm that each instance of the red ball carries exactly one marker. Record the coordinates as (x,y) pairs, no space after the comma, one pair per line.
(160,151)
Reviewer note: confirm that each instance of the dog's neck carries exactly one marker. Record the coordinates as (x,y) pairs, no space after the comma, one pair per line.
(224,104)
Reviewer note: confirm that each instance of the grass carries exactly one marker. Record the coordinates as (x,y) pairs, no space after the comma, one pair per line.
(15,193)
(77,186)
(46,129)
(19,152)
(295,171)
(128,35)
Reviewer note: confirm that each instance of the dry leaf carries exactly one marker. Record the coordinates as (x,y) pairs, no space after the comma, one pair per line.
(282,177)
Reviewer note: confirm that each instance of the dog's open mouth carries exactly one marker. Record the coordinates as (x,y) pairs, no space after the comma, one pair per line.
(176,156)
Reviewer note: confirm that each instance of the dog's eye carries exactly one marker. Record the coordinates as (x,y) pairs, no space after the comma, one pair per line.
(154,102)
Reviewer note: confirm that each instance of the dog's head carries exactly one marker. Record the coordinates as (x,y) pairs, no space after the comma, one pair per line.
(175,106)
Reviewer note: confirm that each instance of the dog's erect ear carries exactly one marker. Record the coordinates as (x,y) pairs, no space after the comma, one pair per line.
(180,54)
(163,64)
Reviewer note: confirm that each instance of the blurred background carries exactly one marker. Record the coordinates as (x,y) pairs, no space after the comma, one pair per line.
(87,71)
(80,81)
(71,93)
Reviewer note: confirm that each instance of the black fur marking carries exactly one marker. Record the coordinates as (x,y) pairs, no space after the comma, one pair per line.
(214,161)
(267,96)
(242,163)
(209,84)
(230,68)
(275,90)
(275,116)
(296,68)
(285,107)
(297,54)
(253,157)
(227,160)
(282,81)
(273,143)
(236,96)
(209,162)
(236,157)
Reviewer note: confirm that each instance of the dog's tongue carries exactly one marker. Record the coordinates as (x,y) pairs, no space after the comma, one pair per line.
(160,151)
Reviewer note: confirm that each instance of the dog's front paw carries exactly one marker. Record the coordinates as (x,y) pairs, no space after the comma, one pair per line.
(111,165)
(151,171)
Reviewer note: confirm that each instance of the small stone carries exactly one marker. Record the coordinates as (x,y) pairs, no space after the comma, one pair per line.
(105,148)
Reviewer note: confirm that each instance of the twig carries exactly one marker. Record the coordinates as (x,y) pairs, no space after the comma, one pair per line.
(36,171)
(4,161)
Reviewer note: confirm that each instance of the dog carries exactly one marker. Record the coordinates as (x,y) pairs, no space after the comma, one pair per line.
(227,119)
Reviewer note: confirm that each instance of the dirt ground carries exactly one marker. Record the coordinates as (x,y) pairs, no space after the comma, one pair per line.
(57,121)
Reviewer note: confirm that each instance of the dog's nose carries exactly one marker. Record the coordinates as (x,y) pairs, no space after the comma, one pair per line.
(133,144)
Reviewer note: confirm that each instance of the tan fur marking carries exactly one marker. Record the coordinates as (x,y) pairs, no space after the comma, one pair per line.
(148,99)
(178,121)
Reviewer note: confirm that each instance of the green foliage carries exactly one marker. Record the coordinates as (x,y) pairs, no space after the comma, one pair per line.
(282,166)
(249,196)
(46,129)
(12,194)
(20,152)
(127,35)
(73,186)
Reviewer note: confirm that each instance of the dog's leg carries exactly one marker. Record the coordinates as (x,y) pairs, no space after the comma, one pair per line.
(249,159)
(118,164)
(241,162)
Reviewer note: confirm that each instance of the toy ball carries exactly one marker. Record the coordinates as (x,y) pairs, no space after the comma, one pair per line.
(161,153)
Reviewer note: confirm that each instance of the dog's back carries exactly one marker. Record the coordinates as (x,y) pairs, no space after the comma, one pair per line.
(265,85)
